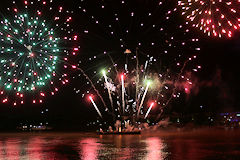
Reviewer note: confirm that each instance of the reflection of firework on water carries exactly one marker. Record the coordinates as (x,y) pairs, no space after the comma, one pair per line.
(36,41)
(214,17)
(135,59)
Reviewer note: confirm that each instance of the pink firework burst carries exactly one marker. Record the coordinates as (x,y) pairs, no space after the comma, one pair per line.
(219,18)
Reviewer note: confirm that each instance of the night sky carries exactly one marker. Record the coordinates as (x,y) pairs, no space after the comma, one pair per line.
(216,88)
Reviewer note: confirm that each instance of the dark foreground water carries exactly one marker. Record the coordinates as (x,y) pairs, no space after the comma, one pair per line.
(194,145)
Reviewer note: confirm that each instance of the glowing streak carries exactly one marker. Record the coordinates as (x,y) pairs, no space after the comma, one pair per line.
(149,109)
(144,95)
(146,64)
(93,86)
(109,92)
(137,79)
(123,90)
(95,106)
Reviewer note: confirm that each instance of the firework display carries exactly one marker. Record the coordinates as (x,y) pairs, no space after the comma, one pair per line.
(36,45)
(137,58)
(126,90)
(214,17)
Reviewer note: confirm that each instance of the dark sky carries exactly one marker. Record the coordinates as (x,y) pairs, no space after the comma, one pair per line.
(217,87)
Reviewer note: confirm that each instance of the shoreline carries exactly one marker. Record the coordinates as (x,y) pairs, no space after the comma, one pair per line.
(161,132)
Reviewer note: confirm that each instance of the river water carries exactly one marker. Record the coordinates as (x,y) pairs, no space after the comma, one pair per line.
(194,145)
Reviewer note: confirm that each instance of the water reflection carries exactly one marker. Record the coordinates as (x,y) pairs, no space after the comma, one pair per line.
(34,148)
(89,148)
(188,149)
(154,148)
(11,149)
(121,147)
(137,147)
